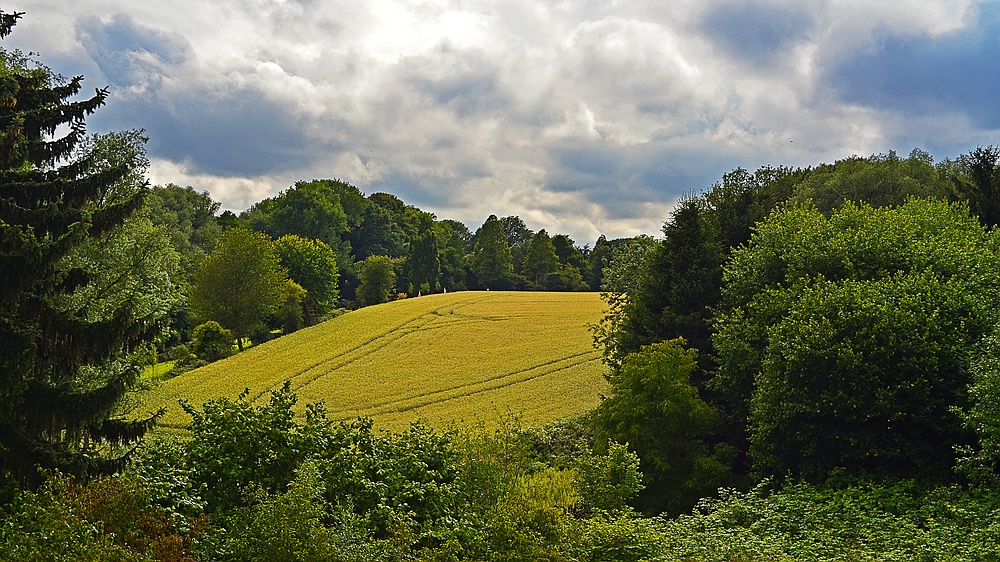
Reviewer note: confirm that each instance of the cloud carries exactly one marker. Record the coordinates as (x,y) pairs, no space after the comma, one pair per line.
(923,74)
(760,33)
(123,49)
(584,117)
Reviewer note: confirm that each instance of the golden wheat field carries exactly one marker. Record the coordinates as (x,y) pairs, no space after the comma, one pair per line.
(466,357)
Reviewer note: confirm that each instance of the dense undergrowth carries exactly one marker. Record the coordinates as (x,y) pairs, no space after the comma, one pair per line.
(253,483)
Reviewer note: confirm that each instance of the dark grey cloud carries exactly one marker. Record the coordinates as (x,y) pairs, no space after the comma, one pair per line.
(622,178)
(464,81)
(211,126)
(236,132)
(958,72)
(756,32)
(120,47)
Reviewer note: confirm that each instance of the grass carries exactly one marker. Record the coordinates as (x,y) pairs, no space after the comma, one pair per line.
(472,356)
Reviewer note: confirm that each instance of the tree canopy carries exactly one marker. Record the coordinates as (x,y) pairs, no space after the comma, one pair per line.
(240,285)
(848,339)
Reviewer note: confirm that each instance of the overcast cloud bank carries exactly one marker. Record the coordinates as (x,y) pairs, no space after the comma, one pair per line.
(582,118)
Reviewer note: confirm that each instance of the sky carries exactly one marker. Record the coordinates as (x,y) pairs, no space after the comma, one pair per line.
(582,117)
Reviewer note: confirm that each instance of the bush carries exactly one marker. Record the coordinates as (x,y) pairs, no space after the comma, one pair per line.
(212,342)
(608,482)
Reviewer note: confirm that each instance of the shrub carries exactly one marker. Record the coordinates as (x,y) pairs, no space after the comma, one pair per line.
(212,342)
(608,482)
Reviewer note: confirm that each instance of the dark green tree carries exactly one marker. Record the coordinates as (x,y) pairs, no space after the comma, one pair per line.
(540,260)
(378,280)
(423,265)
(568,253)
(598,259)
(66,361)
(979,183)
(680,283)
(240,285)
(189,218)
(490,261)
(517,233)
(452,239)
(845,342)
(383,231)
(880,180)
(655,408)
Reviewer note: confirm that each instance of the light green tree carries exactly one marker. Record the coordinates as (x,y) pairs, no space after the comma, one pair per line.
(313,265)
(240,285)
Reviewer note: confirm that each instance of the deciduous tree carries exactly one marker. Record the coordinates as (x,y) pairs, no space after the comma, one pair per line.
(378,280)
(240,285)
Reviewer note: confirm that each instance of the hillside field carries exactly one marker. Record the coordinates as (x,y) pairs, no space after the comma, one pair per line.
(465,356)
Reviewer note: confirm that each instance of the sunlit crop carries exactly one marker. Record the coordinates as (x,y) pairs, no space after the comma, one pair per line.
(469,356)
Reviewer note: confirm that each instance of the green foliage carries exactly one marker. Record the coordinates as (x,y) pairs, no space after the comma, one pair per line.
(654,407)
(847,340)
(980,463)
(212,342)
(619,280)
(189,220)
(42,526)
(679,285)
(491,261)
(313,210)
(240,285)
(290,311)
(978,182)
(110,519)
(881,180)
(71,331)
(619,536)
(608,482)
(313,265)
(540,259)
(862,521)
(236,446)
(597,260)
(378,280)
(423,265)
(288,527)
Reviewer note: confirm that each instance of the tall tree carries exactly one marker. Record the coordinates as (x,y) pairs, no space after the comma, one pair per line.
(517,233)
(241,284)
(189,217)
(66,360)
(313,265)
(491,262)
(540,260)
(423,265)
(378,279)
(979,183)
(598,259)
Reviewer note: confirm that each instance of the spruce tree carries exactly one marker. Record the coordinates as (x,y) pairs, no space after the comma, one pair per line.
(64,367)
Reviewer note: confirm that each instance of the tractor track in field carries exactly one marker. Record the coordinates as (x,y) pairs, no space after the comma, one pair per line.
(487,385)
(372,345)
